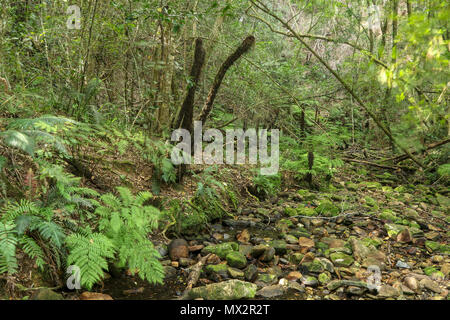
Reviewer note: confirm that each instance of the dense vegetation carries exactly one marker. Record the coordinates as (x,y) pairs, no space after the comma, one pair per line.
(86,116)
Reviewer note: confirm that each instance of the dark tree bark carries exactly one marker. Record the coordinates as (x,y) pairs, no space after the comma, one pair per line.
(243,48)
(186,114)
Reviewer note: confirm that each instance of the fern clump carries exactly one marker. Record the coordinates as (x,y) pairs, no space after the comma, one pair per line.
(90,253)
(124,224)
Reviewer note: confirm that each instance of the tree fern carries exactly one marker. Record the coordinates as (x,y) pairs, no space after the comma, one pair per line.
(90,254)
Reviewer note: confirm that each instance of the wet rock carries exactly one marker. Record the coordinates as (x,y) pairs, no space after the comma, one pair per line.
(356,291)
(340,259)
(251,273)
(227,290)
(268,255)
(94,296)
(315,266)
(178,248)
(309,257)
(236,259)
(245,249)
(47,294)
(271,291)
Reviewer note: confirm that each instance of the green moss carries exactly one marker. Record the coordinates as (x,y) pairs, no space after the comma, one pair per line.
(236,260)
(327,208)
(222,249)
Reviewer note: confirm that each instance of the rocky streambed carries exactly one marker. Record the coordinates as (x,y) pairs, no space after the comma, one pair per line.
(387,244)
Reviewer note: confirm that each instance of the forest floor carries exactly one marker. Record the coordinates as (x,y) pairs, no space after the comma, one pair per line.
(306,244)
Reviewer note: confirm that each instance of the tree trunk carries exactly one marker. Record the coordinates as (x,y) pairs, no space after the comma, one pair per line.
(243,48)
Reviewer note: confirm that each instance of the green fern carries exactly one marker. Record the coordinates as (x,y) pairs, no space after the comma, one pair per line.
(90,253)
(33,250)
(8,243)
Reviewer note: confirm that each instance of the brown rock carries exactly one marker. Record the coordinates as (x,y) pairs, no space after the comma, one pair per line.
(411,283)
(196,248)
(294,276)
(309,257)
(244,236)
(178,248)
(445,269)
(95,296)
(405,236)
(336,243)
(305,242)
(430,285)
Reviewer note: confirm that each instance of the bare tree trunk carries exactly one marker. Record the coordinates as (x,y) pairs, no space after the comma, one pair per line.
(243,48)
(186,114)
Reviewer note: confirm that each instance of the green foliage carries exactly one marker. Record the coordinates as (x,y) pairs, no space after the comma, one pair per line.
(90,253)
(26,134)
(127,221)
(8,242)
(267,185)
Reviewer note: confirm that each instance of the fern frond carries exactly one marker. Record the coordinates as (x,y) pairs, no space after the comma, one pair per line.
(8,243)
(33,250)
(90,254)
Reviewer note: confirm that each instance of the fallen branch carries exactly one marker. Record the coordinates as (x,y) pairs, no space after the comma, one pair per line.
(429,147)
(371,164)
(194,275)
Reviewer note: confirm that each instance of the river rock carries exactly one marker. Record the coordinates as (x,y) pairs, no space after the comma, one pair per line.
(271,291)
(387,291)
(341,259)
(47,294)
(430,285)
(268,255)
(251,273)
(94,296)
(236,259)
(178,248)
(226,290)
